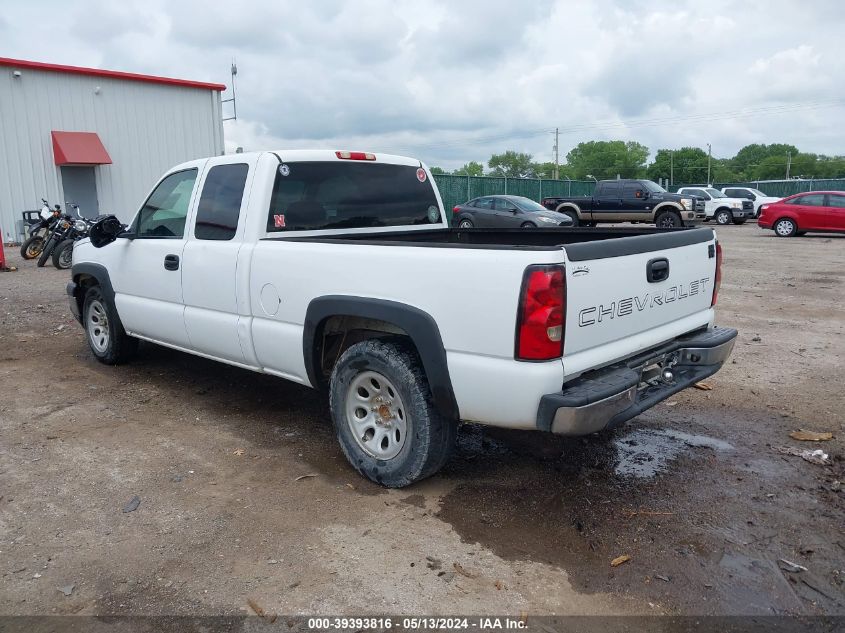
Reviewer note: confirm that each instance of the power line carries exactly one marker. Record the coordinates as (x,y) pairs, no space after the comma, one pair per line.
(628,123)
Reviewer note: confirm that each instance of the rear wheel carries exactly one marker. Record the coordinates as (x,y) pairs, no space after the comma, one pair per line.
(32,247)
(107,339)
(723,217)
(785,228)
(465,224)
(668,220)
(63,255)
(383,414)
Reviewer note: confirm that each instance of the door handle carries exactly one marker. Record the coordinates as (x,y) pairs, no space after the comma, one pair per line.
(171,262)
(657,270)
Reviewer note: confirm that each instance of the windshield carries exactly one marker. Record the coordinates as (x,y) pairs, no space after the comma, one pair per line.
(653,187)
(715,193)
(757,192)
(348,194)
(527,204)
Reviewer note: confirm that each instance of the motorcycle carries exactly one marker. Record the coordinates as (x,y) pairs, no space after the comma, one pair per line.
(60,232)
(63,252)
(39,230)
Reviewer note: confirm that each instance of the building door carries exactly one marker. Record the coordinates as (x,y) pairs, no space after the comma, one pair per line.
(80,187)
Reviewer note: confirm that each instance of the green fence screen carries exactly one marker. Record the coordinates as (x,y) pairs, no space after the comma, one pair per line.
(459,189)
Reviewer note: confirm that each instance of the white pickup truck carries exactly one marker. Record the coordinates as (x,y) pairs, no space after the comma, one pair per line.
(338,270)
(719,207)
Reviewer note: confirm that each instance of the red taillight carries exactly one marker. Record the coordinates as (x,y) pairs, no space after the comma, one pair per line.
(456,209)
(542,310)
(717,281)
(355,155)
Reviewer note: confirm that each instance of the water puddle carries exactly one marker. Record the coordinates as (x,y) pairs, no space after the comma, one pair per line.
(644,453)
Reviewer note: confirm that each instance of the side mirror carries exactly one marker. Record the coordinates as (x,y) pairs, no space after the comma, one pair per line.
(106,230)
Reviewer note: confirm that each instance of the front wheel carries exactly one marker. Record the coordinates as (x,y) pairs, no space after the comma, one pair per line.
(63,255)
(109,342)
(723,217)
(528,225)
(668,220)
(32,247)
(785,228)
(46,251)
(383,414)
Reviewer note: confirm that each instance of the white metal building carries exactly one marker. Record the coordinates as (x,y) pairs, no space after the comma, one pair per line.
(97,138)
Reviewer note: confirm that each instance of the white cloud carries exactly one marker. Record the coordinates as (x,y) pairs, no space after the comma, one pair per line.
(457,81)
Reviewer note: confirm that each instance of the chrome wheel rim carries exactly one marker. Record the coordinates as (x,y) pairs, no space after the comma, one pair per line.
(667,222)
(66,258)
(98,326)
(376,415)
(465,224)
(784,227)
(723,218)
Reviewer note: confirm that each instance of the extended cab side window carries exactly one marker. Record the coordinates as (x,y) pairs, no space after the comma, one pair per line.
(608,190)
(165,211)
(220,203)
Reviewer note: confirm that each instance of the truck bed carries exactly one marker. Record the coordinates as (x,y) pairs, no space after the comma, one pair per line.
(580,243)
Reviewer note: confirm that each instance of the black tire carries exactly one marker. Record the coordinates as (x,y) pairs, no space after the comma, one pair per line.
(465,224)
(739,221)
(46,251)
(429,437)
(668,220)
(32,247)
(573,215)
(528,225)
(63,255)
(116,346)
(785,227)
(723,217)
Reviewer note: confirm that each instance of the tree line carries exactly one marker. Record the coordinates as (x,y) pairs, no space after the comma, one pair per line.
(629,159)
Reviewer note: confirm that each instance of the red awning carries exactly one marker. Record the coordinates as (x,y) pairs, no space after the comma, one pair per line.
(79,148)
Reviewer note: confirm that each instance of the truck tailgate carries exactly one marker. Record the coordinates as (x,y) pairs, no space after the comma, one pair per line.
(629,294)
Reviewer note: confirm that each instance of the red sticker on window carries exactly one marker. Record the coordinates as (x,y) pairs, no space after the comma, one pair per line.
(421,174)
(279,221)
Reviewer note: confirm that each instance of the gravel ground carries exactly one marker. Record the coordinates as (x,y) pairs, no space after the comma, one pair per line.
(694,490)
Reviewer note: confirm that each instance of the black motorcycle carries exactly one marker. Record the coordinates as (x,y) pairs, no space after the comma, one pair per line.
(39,230)
(63,252)
(61,231)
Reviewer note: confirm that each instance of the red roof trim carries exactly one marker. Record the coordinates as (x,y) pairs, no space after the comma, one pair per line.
(112,74)
(79,148)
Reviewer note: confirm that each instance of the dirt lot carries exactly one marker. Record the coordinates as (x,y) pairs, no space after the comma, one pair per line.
(694,491)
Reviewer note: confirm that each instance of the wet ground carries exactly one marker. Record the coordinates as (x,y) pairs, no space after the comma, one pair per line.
(245,496)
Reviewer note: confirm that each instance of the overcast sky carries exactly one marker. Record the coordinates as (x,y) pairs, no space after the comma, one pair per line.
(456,81)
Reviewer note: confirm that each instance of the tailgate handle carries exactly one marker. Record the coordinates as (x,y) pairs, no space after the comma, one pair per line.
(657,270)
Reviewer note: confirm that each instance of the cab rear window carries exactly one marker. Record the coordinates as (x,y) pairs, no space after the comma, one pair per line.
(309,196)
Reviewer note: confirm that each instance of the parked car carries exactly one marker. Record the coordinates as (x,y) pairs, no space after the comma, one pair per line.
(755,195)
(812,211)
(339,271)
(630,201)
(720,207)
(506,212)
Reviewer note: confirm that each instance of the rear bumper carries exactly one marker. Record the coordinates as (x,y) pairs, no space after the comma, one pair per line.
(608,397)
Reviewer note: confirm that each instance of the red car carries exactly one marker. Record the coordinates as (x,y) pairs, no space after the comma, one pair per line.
(816,211)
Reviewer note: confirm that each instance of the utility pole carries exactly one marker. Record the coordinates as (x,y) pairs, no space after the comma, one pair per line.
(671,167)
(557,159)
(232,100)
(708,164)
(788,163)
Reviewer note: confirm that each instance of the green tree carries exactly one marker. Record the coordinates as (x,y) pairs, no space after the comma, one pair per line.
(685,165)
(606,159)
(471,168)
(436,171)
(749,160)
(512,164)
